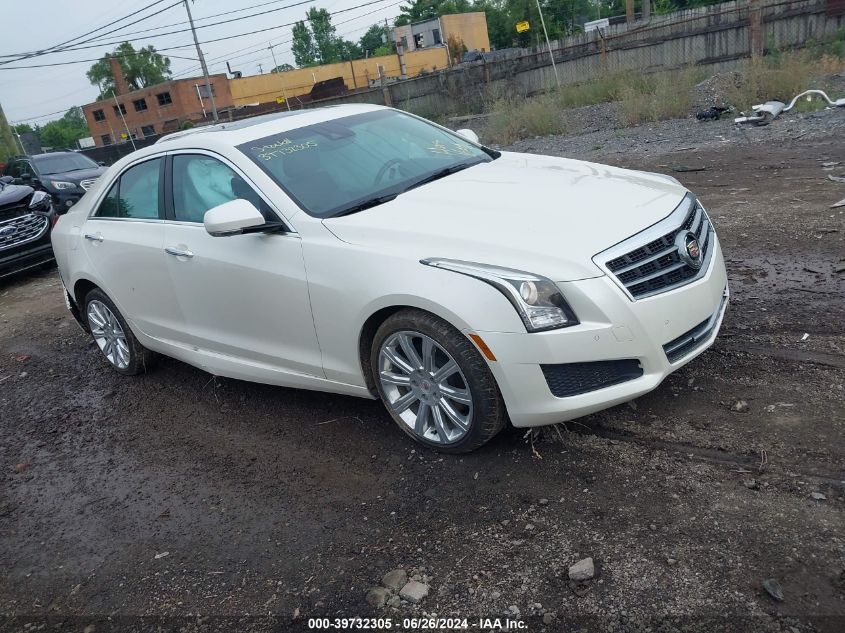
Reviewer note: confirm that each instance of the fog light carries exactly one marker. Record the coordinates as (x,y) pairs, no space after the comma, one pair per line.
(69,203)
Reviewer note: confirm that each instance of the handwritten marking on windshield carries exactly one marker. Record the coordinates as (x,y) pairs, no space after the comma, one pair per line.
(453,149)
(283,147)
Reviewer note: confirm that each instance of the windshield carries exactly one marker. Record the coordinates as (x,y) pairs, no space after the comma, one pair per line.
(60,163)
(332,167)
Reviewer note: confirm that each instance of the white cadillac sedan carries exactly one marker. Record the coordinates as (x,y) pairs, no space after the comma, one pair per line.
(365,251)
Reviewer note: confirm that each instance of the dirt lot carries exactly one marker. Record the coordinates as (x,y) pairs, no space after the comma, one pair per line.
(275,505)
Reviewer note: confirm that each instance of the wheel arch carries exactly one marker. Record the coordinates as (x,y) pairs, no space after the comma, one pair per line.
(379,315)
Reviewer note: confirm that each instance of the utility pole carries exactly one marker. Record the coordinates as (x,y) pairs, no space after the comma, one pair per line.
(548,44)
(275,67)
(202,63)
(120,112)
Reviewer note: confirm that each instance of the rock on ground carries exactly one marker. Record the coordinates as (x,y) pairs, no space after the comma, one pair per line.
(582,570)
(414,591)
(395,579)
(377,597)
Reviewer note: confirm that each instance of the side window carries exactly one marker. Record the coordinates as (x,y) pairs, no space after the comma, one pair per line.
(135,194)
(108,207)
(201,183)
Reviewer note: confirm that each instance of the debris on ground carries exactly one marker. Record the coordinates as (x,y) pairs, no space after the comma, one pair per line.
(377,597)
(773,588)
(395,580)
(713,113)
(765,113)
(414,591)
(582,570)
(818,496)
(739,406)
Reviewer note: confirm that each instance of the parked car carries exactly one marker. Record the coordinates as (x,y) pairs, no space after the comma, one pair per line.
(66,176)
(362,250)
(26,218)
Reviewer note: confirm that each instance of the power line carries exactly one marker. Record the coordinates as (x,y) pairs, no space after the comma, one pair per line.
(219,39)
(197,20)
(134,39)
(229,57)
(85,61)
(57,47)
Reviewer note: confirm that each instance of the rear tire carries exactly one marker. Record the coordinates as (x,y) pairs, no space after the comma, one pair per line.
(435,384)
(114,338)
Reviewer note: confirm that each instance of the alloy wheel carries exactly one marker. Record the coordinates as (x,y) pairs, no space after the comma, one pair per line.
(425,387)
(108,334)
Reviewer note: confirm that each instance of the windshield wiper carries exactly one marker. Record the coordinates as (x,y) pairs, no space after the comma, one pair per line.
(442,173)
(366,204)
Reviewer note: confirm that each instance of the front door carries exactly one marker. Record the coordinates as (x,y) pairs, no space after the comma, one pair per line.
(244,297)
(124,241)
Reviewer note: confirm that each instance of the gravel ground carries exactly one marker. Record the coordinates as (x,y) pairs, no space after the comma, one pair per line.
(175,501)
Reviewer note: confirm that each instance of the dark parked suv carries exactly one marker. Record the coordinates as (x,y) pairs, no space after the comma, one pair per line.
(66,176)
(26,219)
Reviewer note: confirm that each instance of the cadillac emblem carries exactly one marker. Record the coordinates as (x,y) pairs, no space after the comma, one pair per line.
(689,250)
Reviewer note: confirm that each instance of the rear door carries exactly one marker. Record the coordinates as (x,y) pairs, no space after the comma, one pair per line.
(244,297)
(124,241)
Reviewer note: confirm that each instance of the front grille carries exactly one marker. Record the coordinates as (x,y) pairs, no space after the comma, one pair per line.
(22,229)
(689,341)
(657,266)
(13,211)
(571,379)
(87,183)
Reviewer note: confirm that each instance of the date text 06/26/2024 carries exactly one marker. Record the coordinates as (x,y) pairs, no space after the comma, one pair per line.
(417,624)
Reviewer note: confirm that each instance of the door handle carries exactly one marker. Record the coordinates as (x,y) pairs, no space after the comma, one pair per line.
(94,237)
(178,252)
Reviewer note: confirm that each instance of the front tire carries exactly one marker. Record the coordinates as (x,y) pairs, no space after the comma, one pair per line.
(114,338)
(435,384)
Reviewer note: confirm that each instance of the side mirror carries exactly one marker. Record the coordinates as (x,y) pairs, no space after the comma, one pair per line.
(101,163)
(469,135)
(232,218)
(26,176)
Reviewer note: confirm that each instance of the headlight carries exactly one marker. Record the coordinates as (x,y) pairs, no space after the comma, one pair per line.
(61,184)
(40,201)
(538,300)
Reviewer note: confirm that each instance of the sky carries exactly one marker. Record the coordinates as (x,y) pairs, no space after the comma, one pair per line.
(38,95)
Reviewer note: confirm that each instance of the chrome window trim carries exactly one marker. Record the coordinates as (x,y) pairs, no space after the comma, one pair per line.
(671,223)
(223,159)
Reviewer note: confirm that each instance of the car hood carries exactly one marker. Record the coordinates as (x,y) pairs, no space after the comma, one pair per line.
(76,176)
(11,194)
(540,214)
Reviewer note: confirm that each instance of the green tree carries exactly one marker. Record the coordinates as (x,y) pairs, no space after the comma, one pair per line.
(325,38)
(63,133)
(302,46)
(373,39)
(22,128)
(425,9)
(282,68)
(141,68)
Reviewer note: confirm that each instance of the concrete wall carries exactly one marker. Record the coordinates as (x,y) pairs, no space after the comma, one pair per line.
(717,36)
(269,87)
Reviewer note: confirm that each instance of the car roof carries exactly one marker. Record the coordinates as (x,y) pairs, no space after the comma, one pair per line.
(244,130)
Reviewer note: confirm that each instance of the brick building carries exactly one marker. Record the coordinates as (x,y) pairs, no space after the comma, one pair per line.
(158,109)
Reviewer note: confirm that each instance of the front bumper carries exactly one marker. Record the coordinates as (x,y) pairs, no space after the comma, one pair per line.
(612,327)
(64,199)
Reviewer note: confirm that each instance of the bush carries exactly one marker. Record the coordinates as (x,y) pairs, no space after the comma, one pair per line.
(512,120)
